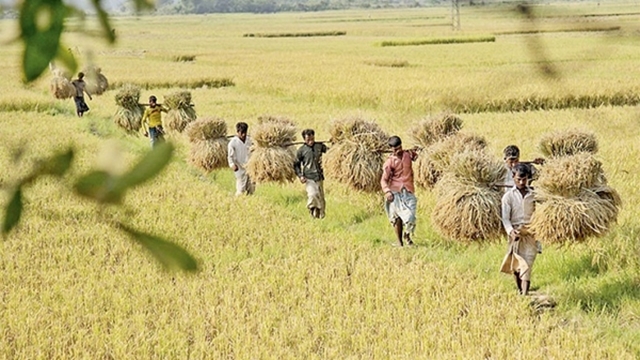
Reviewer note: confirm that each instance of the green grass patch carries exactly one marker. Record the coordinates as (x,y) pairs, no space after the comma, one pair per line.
(51,108)
(389,63)
(183,58)
(439,41)
(541,31)
(570,101)
(300,34)
(184,84)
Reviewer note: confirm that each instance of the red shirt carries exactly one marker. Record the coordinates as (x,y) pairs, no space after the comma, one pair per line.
(398,172)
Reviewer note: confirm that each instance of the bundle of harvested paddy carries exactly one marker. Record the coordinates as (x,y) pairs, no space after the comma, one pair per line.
(558,219)
(96,83)
(61,86)
(129,112)
(441,152)
(356,157)
(208,143)
(272,156)
(476,167)
(466,211)
(569,142)
(568,175)
(180,111)
(435,128)
(425,173)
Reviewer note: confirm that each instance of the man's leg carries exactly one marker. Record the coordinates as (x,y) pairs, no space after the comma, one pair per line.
(525,287)
(518,281)
(398,227)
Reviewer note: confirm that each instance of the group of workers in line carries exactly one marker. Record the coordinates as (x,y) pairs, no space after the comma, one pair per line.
(398,186)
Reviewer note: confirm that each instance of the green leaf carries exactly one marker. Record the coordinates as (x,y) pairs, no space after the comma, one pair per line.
(99,186)
(104,21)
(66,57)
(41,24)
(144,4)
(150,166)
(13,212)
(171,256)
(58,164)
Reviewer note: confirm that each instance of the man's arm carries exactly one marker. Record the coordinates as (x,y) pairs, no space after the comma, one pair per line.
(231,157)
(387,171)
(506,214)
(297,164)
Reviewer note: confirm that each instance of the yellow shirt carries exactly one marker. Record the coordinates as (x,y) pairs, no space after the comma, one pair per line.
(153,116)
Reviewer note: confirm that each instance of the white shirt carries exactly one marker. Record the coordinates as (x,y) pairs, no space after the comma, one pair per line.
(239,152)
(508,178)
(516,210)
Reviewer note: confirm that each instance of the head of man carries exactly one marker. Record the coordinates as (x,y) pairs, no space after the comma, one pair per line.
(241,130)
(153,101)
(80,75)
(511,156)
(521,175)
(309,136)
(395,143)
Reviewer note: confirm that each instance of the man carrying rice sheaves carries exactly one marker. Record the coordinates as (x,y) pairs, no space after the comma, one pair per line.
(239,150)
(517,208)
(398,187)
(308,167)
(511,158)
(80,85)
(152,121)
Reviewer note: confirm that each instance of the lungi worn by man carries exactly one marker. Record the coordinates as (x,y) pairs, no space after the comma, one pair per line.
(398,187)
(81,89)
(308,167)
(239,151)
(517,208)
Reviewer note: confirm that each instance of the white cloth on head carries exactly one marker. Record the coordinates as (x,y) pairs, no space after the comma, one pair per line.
(403,206)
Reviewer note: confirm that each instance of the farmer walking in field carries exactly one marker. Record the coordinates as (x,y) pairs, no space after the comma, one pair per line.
(308,167)
(152,121)
(239,151)
(80,85)
(398,187)
(517,208)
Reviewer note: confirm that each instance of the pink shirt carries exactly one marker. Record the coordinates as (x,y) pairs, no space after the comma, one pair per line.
(398,173)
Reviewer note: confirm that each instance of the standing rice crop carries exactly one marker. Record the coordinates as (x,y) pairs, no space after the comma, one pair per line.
(356,157)
(208,143)
(180,111)
(568,142)
(272,156)
(128,112)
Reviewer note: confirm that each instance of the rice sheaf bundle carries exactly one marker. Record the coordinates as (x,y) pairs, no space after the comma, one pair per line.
(356,157)
(558,219)
(435,128)
(466,211)
(568,175)
(96,83)
(128,112)
(476,166)
(441,152)
(208,143)
(61,86)
(569,142)
(180,111)
(272,156)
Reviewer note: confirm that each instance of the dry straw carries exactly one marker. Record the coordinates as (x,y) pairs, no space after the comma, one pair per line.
(568,175)
(272,156)
(441,152)
(128,112)
(477,167)
(356,158)
(208,143)
(435,128)
(61,86)
(96,83)
(569,142)
(466,211)
(180,111)
(558,219)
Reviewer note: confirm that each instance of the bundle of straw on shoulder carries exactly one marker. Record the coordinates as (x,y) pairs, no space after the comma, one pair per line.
(272,157)
(128,112)
(356,157)
(568,142)
(208,143)
(96,82)
(180,111)
(61,86)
